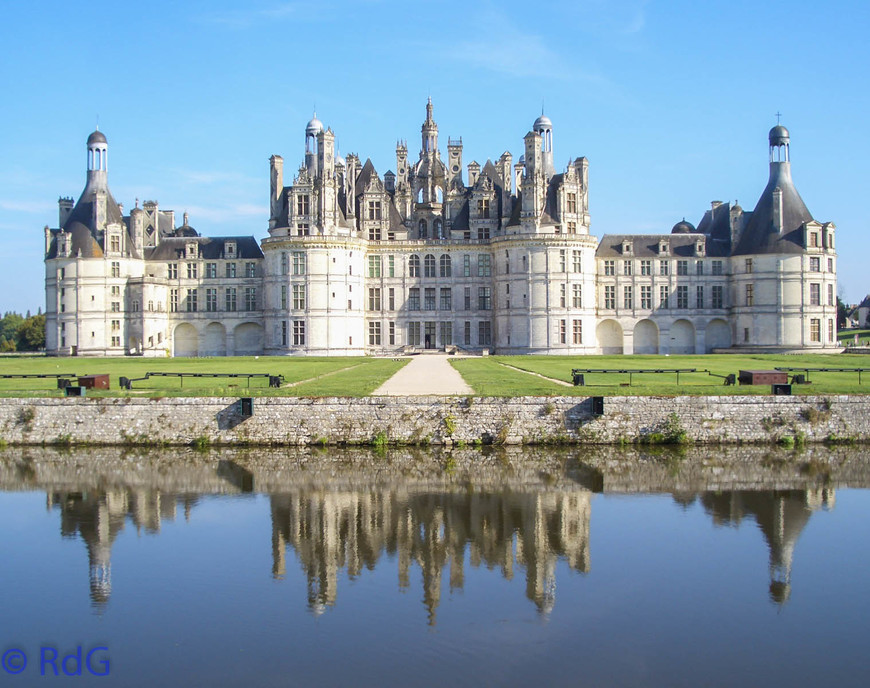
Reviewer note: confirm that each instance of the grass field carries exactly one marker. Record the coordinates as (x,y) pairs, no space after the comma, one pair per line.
(496,375)
(351,376)
(847,337)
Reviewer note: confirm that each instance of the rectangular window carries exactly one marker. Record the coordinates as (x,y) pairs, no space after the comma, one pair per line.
(172,271)
(484,266)
(298,263)
(211,269)
(173,300)
(284,296)
(717,296)
(748,265)
(646,267)
(250,298)
(815,330)
(626,268)
(116,341)
(682,267)
(467,299)
(563,298)
(191,300)
(484,298)
(563,265)
(483,233)
(298,297)
(375,233)
(830,264)
(646,297)
(392,299)
(563,332)
(483,208)
(374,299)
(484,333)
(627,301)
(716,267)
(374,334)
(830,294)
(392,332)
(682,296)
(230,299)
(577,331)
(830,330)
(429,299)
(250,269)
(664,294)
(814,239)
(699,267)
(446,266)
(572,227)
(116,291)
(374,266)
(302,229)
(116,269)
(191,271)
(610,297)
(663,267)
(391,266)
(116,244)
(815,294)
(577,261)
(298,333)
(750,294)
(699,297)
(414,334)
(576,296)
(446,333)
(374,212)
(211,300)
(466,265)
(285,264)
(302,204)
(116,325)
(414,299)
(466,338)
(283,333)
(446,299)
(815,264)
(231,270)
(609,267)
(572,202)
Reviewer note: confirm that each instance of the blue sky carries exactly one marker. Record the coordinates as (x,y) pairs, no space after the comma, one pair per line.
(670,101)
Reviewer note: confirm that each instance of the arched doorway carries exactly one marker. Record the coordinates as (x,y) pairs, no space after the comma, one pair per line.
(646,337)
(215,343)
(609,335)
(185,341)
(248,339)
(682,336)
(717,335)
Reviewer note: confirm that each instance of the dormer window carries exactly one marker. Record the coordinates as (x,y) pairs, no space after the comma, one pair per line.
(663,246)
(626,248)
(700,248)
(191,250)
(230,249)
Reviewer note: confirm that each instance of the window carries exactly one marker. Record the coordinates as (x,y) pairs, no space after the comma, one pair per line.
(699,267)
(211,268)
(572,202)
(191,300)
(563,332)
(374,299)
(298,297)
(483,233)
(646,297)
(815,330)
(748,265)
(231,299)
(682,297)
(116,291)
(466,265)
(302,229)
(716,296)
(173,300)
(429,299)
(374,266)
(750,294)
(682,267)
(446,266)
(609,267)
(563,265)
(577,296)
(392,299)
(663,267)
(626,268)
(250,269)
(392,332)
(284,296)
(646,267)
(211,300)
(815,264)
(414,334)
(610,297)
(484,333)
(116,325)
(283,333)
(467,299)
(374,334)
(251,298)
(116,269)
(716,267)
(699,297)
(830,294)
(830,264)
(429,265)
(115,244)
(577,331)
(830,330)
(572,227)
(374,213)
(745,334)
(298,263)
(664,294)
(298,333)
(191,271)
(446,333)
(627,301)
(231,270)
(577,261)
(484,298)
(815,294)
(814,239)
(563,289)
(414,299)
(414,266)
(467,333)
(483,208)
(446,299)
(302,204)
(116,341)
(391,266)
(484,267)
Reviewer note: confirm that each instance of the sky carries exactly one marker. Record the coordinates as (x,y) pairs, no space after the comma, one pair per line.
(670,101)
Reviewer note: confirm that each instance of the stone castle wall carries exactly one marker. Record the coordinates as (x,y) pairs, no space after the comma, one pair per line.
(434,420)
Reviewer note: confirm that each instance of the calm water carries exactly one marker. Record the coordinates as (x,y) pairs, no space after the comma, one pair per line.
(731,568)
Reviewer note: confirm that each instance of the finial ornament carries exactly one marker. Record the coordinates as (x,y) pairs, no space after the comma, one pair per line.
(778,115)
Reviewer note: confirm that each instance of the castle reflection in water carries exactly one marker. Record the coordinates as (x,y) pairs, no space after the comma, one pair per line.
(440,529)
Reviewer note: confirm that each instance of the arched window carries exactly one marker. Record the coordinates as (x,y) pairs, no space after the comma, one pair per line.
(439,194)
(437,227)
(420,196)
(446,266)
(414,266)
(429,265)
(424,229)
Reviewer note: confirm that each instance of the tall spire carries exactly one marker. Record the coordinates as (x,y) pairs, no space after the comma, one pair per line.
(429,130)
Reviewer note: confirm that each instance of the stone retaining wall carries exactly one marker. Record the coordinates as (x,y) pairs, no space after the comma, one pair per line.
(433,420)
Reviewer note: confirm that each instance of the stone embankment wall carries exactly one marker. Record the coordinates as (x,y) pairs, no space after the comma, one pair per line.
(435,420)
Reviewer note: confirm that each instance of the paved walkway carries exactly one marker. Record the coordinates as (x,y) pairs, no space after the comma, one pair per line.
(425,374)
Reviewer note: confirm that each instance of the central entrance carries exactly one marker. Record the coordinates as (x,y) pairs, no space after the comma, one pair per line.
(429,335)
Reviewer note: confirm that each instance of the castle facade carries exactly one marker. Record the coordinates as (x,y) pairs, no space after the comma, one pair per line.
(437,255)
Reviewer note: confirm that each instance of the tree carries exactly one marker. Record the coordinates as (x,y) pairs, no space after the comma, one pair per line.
(31,334)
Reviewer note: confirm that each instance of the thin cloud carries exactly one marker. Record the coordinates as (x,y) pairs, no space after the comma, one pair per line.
(33,207)
(239,19)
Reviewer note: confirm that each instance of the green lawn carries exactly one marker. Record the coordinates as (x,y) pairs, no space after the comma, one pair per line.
(348,376)
(847,337)
(491,376)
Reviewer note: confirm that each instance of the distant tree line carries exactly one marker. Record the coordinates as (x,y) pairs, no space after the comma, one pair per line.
(22,332)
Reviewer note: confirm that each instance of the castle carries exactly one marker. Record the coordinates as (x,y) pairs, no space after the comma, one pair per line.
(500,259)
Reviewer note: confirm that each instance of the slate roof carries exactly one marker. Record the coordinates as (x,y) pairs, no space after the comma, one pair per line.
(210,248)
(647,245)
